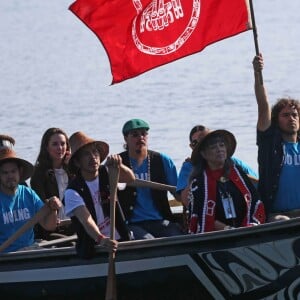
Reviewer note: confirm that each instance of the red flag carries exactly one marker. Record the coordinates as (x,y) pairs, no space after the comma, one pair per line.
(139,35)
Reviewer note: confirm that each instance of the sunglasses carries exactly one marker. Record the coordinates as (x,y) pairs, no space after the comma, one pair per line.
(194,143)
(6,144)
(139,133)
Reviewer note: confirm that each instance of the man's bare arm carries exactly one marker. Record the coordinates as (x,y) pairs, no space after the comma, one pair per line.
(264,110)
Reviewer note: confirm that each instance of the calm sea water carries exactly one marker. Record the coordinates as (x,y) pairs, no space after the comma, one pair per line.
(54,72)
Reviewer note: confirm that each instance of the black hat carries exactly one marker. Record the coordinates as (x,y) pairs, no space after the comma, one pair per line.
(229,140)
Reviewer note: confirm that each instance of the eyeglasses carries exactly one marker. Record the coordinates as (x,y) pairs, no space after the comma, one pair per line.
(139,133)
(194,143)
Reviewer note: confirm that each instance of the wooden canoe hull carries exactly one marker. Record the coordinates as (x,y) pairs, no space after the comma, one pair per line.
(245,263)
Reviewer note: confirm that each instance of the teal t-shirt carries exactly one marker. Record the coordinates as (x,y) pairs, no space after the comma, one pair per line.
(288,194)
(15,211)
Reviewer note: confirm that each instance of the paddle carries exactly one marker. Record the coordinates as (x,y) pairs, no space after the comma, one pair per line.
(152,185)
(111,289)
(43,212)
(67,239)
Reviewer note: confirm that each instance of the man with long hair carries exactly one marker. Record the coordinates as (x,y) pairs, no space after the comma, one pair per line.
(278,151)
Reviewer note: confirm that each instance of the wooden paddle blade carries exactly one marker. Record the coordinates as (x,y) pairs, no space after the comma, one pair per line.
(111,287)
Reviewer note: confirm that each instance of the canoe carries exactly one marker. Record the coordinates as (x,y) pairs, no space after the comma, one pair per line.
(260,262)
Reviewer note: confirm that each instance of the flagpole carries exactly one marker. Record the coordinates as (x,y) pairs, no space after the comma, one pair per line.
(254,29)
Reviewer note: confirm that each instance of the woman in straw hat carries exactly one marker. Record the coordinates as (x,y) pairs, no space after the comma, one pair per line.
(51,176)
(87,199)
(221,194)
(19,203)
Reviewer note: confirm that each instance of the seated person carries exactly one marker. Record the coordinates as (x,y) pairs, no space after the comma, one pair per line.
(221,194)
(19,203)
(87,199)
(197,133)
(51,176)
(146,210)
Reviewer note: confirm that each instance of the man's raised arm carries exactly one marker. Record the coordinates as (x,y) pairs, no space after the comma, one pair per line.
(264,110)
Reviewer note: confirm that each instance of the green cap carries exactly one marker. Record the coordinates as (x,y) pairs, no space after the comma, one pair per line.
(134,124)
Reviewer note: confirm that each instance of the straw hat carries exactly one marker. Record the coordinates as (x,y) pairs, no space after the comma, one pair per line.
(229,140)
(8,154)
(79,140)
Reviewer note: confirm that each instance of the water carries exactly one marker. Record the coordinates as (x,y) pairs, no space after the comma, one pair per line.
(55,73)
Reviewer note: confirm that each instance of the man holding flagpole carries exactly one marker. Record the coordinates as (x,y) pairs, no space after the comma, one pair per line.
(278,151)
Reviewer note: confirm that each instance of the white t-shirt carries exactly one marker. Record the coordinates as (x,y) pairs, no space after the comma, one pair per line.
(62,183)
(74,200)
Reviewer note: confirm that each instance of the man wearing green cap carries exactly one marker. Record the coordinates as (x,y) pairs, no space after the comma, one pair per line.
(147,211)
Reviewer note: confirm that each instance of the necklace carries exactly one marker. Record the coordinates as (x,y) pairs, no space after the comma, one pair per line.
(148,167)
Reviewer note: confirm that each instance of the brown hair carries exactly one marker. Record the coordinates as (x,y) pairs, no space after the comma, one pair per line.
(280,105)
(44,160)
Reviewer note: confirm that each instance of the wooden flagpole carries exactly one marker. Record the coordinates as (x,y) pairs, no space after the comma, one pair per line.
(254,29)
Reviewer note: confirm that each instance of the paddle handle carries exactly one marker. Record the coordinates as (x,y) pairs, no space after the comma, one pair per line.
(152,185)
(111,286)
(43,212)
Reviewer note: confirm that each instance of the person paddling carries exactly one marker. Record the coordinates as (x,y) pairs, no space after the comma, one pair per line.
(87,198)
(19,203)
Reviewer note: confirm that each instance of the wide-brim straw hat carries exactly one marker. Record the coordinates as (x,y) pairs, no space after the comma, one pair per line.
(229,140)
(79,139)
(8,154)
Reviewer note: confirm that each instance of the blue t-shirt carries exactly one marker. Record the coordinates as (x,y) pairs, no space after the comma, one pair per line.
(186,169)
(15,211)
(144,207)
(288,194)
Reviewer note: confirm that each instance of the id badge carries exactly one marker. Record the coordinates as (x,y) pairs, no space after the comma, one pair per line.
(228,206)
